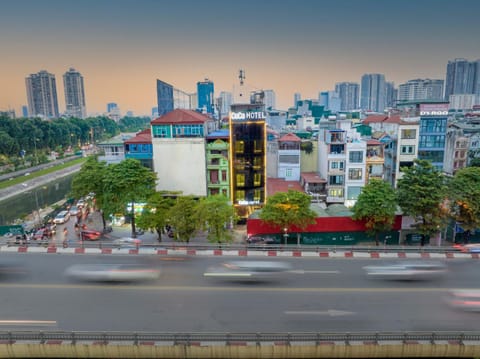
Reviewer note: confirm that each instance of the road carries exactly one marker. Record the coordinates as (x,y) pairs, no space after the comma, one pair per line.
(317,295)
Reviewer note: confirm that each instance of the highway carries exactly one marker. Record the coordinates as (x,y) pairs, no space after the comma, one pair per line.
(318,294)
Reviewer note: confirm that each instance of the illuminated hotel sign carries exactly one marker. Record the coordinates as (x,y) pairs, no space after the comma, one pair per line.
(247,116)
(437,109)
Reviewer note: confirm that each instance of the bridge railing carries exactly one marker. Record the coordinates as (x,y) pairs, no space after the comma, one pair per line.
(188,338)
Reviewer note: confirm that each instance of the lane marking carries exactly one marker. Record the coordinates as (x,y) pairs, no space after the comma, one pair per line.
(303,271)
(330,312)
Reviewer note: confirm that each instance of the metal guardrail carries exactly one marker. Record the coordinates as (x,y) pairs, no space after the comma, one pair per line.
(188,338)
(212,246)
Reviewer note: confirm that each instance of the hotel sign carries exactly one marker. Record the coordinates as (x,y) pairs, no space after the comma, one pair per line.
(434,109)
(247,116)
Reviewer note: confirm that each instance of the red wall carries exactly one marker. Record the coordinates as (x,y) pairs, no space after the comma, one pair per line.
(323,224)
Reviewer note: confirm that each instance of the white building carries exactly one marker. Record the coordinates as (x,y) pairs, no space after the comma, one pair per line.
(289,157)
(463,102)
(178,141)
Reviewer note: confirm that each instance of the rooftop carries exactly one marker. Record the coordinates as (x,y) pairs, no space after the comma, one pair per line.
(180,116)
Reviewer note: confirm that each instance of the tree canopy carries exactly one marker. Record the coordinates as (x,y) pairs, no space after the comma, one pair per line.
(284,210)
(376,205)
(181,218)
(215,214)
(421,193)
(464,194)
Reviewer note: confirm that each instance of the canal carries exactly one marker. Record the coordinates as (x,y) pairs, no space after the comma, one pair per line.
(19,206)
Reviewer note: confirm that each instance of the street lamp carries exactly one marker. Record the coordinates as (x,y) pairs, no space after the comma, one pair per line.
(285,235)
(35,146)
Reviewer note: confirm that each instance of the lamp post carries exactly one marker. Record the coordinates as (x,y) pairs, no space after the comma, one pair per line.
(35,146)
(285,235)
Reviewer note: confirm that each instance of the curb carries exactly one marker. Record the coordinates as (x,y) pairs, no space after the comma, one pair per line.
(240,253)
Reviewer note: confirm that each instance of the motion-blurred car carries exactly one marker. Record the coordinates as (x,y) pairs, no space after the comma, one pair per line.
(90,235)
(410,270)
(249,270)
(127,242)
(464,299)
(255,240)
(468,248)
(112,272)
(42,234)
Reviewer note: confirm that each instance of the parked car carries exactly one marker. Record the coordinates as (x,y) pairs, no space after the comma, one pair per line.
(90,235)
(61,217)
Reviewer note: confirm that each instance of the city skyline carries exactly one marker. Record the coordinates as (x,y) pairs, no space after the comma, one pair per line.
(122,47)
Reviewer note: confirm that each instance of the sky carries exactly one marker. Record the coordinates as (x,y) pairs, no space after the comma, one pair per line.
(121,47)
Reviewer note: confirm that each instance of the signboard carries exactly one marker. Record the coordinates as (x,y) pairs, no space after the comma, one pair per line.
(434,109)
(247,116)
(13,230)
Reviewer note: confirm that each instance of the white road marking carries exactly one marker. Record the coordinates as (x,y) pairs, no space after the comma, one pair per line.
(330,312)
(302,271)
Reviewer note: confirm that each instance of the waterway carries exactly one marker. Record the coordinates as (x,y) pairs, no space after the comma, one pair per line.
(19,206)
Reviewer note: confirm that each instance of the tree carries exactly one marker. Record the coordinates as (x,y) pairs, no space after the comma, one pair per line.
(180,218)
(214,214)
(155,214)
(376,206)
(125,184)
(421,193)
(464,192)
(90,179)
(284,210)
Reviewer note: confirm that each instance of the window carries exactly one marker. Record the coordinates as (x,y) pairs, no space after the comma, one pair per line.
(335,180)
(432,141)
(337,165)
(353,192)
(258,146)
(335,192)
(239,146)
(289,159)
(257,163)
(288,172)
(240,179)
(355,174)
(438,125)
(407,150)
(409,134)
(215,161)
(214,177)
(337,149)
(356,156)
(257,179)
(257,195)
(224,176)
(240,195)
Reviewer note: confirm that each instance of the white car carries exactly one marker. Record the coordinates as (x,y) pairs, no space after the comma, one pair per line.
(74,210)
(112,272)
(249,270)
(61,217)
(410,270)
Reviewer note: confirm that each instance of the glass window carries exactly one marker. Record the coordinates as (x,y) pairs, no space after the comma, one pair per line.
(257,179)
(353,192)
(407,150)
(335,192)
(337,149)
(224,176)
(409,134)
(239,146)
(335,180)
(355,173)
(240,179)
(356,156)
(289,159)
(240,195)
(288,172)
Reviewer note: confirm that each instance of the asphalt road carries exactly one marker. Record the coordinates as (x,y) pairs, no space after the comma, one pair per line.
(316,295)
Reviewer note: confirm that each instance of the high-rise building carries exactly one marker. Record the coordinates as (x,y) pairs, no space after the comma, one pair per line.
(248,151)
(373,92)
(164,97)
(111,106)
(348,93)
(205,91)
(42,95)
(296,97)
(24,111)
(421,89)
(183,100)
(269,99)
(330,100)
(390,94)
(463,77)
(226,102)
(74,94)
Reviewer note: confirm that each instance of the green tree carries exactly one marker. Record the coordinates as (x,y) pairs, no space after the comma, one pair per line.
(155,214)
(376,206)
(421,194)
(464,194)
(90,179)
(284,210)
(180,218)
(215,214)
(125,184)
